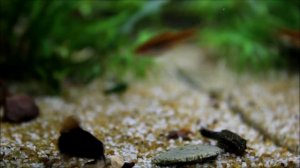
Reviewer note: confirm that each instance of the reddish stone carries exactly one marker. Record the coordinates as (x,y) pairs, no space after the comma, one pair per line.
(182,133)
(20,109)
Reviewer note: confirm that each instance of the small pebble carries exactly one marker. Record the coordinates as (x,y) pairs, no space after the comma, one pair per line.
(187,154)
(20,108)
(116,161)
(95,164)
(182,133)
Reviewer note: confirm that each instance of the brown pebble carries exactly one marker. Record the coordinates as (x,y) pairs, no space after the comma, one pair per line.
(20,108)
(182,133)
(116,161)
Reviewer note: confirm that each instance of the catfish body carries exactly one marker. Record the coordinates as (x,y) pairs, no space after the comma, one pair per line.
(74,141)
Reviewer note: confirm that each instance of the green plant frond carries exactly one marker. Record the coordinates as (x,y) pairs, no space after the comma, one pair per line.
(52,41)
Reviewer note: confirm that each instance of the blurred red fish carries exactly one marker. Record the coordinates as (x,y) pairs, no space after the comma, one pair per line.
(290,37)
(165,40)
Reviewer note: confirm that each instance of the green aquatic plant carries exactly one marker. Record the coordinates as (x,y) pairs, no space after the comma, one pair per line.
(245,33)
(54,41)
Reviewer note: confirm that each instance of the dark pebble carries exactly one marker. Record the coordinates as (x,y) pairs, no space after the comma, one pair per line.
(20,108)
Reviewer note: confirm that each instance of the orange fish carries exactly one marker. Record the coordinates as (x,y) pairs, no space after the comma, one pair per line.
(164,41)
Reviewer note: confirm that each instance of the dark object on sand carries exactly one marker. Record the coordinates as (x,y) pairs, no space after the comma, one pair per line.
(74,141)
(117,88)
(227,140)
(20,108)
(182,133)
(128,165)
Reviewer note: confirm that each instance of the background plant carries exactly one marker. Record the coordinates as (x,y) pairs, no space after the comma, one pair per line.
(76,40)
(245,33)
(51,41)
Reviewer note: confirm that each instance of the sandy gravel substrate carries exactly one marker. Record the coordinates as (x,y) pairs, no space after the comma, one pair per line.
(135,124)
